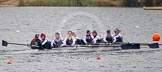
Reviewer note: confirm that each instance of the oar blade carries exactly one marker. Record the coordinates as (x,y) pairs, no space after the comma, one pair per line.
(4,43)
(131,46)
(153,45)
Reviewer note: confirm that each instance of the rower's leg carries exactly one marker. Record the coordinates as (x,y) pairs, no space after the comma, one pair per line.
(59,43)
(68,42)
(82,42)
(99,41)
(49,45)
(79,42)
(41,48)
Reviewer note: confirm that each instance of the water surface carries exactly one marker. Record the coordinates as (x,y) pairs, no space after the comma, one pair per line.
(19,24)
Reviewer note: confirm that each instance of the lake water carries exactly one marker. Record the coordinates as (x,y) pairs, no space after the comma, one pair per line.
(19,24)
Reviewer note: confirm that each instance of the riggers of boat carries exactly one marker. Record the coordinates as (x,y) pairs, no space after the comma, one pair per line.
(72,39)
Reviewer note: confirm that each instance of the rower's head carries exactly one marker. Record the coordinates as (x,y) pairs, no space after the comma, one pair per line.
(74,34)
(94,33)
(88,32)
(36,36)
(43,36)
(70,33)
(108,32)
(117,31)
(57,35)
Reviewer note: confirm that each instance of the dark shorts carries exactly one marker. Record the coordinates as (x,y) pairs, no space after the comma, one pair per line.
(47,45)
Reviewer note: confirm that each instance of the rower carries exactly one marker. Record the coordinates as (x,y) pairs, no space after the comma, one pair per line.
(88,38)
(108,38)
(69,40)
(45,41)
(78,40)
(96,38)
(117,37)
(36,43)
(57,41)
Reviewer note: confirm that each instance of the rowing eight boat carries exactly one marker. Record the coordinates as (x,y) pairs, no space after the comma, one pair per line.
(121,45)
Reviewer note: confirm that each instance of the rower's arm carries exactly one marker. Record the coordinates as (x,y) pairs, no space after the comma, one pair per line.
(74,40)
(52,42)
(64,41)
(85,40)
(44,41)
(97,38)
(104,39)
(114,39)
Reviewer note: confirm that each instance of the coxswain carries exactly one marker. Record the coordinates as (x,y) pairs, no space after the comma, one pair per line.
(36,43)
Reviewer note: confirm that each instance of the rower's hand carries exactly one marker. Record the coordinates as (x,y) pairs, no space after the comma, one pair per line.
(94,42)
(61,46)
(28,45)
(72,45)
(106,43)
(113,42)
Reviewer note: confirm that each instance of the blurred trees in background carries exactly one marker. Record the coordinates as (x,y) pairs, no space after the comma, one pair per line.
(116,3)
(119,3)
(139,3)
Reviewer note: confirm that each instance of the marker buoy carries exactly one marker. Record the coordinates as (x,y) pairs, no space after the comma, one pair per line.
(156,37)
(137,26)
(98,57)
(9,62)
(3,50)
(17,31)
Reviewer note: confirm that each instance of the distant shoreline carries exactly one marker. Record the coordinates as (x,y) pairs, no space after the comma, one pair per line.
(80,3)
(67,6)
(9,6)
(145,7)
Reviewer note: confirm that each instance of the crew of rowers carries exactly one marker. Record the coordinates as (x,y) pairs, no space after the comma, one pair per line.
(72,39)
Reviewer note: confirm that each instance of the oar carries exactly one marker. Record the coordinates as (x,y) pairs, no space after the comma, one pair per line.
(5,43)
(153,45)
(150,45)
(132,45)
(123,46)
(97,46)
